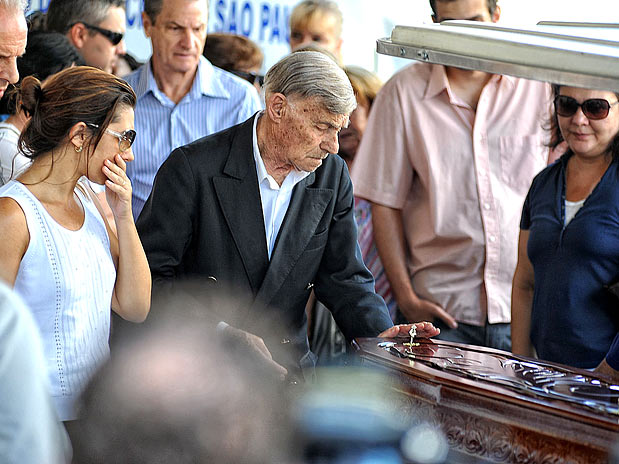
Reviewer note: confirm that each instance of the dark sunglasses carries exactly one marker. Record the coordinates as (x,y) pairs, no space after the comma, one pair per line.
(114,37)
(250,77)
(594,108)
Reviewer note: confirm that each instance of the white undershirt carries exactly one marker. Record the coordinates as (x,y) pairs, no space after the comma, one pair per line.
(275,198)
(571,208)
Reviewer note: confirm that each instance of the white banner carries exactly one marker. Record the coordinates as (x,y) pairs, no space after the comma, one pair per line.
(266,23)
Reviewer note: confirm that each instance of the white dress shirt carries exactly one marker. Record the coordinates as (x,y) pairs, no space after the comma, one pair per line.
(275,198)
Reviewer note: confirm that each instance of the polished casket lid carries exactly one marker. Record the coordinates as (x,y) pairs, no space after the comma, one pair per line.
(576,54)
(547,387)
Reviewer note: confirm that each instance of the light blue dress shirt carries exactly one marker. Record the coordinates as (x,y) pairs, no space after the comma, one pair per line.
(216,101)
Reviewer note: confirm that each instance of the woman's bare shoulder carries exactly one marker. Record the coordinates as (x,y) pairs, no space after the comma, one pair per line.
(13,223)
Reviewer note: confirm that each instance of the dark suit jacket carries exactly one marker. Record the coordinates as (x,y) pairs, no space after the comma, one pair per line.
(204,220)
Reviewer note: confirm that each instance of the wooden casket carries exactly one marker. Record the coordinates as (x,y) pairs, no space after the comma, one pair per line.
(497,407)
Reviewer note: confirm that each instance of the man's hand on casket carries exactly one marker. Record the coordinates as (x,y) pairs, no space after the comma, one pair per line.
(417,308)
(424,330)
(247,345)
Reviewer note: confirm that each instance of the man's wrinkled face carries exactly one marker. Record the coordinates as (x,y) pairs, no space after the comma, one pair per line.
(310,132)
(13,33)
(470,10)
(97,50)
(178,35)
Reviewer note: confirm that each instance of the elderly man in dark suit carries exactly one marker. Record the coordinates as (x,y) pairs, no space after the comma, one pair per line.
(263,208)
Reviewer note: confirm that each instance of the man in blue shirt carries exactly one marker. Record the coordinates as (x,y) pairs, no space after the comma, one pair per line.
(181,96)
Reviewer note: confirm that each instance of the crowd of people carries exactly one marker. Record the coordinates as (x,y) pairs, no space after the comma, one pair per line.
(145,190)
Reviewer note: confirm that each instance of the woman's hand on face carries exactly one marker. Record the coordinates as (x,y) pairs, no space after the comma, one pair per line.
(118,187)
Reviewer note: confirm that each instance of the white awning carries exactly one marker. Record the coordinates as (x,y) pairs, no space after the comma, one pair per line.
(577,54)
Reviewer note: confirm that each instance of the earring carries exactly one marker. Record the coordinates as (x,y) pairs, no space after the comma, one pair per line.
(78,149)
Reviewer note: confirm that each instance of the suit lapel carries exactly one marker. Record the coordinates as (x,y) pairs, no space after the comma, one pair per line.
(239,197)
(307,206)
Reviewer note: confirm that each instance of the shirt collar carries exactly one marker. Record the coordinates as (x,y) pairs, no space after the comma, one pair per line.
(205,82)
(438,82)
(293,177)
(260,167)
(146,81)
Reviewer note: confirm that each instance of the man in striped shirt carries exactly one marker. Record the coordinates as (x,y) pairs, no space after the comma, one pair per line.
(181,96)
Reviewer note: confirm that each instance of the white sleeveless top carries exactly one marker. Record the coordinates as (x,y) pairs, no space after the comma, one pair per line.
(67,279)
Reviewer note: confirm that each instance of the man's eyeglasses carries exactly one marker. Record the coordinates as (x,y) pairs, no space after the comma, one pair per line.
(594,108)
(113,37)
(250,77)
(125,138)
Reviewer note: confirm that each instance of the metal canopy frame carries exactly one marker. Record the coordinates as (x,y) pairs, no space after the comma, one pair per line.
(575,54)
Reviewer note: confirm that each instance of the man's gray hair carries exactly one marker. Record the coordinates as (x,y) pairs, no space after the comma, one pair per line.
(63,14)
(20,5)
(312,74)
(152,8)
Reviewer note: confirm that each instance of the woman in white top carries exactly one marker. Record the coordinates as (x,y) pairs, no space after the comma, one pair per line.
(57,249)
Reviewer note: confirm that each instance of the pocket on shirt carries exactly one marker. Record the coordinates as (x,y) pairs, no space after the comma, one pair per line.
(318,240)
(521,158)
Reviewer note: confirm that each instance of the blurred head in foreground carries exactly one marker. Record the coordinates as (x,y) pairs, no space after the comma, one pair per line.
(178,393)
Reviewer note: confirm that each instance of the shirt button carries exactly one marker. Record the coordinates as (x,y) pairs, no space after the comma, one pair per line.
(285,341)
(486,206)
(492,238)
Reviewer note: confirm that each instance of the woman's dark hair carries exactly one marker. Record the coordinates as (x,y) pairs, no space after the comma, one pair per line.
(37,22)
(46,53)
(555,132)
(78,94)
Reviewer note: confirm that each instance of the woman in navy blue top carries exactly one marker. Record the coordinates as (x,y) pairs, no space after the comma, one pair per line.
(568,251)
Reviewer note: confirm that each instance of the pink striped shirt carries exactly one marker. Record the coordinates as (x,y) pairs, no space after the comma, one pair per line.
(460,177)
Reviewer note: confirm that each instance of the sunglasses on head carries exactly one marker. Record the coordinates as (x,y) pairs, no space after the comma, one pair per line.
(113,37)
(250,77)
(594,108)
